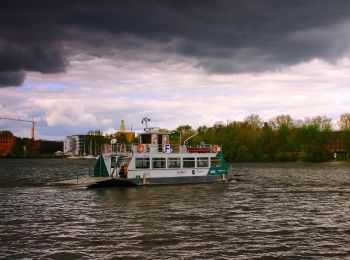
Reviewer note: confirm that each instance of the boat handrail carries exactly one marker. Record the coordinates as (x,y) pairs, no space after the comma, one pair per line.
(128,148)
(160,148)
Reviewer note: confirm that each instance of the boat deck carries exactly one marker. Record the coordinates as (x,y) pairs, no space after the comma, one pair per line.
(95,182)
(84,181)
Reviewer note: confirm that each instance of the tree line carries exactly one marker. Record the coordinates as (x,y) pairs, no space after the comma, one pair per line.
(280,139)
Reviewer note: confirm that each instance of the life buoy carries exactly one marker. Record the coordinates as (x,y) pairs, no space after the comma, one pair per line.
(214,148)
(140,148)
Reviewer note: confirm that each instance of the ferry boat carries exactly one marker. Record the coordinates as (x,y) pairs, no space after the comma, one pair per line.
(153,161)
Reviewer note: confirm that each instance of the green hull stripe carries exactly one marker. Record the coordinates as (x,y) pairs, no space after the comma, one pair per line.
(100,169)
(223,169)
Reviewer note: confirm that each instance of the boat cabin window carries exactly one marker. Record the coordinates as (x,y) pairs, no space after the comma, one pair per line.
(145,138)
(142,163)
(174,162)
(189,162)
(158,163)
(202,162)
(154,138)
(215,162)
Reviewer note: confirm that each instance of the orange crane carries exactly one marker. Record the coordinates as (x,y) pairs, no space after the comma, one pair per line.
(22,120)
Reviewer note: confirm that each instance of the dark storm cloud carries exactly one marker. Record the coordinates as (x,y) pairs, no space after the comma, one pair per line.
(223,36)
(11,78)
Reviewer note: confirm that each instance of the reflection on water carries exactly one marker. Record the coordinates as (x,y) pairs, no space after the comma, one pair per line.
(278,210)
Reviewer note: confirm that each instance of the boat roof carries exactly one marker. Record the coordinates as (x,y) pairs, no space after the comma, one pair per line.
(154,130)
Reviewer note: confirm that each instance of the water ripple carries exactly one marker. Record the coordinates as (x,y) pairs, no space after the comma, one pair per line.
(277,211)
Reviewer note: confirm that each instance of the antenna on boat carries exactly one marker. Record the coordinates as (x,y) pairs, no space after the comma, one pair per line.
(145,120)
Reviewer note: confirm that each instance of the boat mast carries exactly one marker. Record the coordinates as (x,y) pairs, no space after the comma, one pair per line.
(145,120)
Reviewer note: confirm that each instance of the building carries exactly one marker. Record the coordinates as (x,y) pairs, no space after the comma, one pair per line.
(6,144)
(49,147)
(129,135)
(337,143)
(74,145)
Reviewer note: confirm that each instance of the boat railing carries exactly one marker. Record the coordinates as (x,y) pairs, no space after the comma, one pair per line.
(126,149)
(159,148)
(117,148)
(174,148)
(206,148)
(121,148)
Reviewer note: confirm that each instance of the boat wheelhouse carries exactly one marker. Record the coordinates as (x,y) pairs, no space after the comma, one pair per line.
(153,160)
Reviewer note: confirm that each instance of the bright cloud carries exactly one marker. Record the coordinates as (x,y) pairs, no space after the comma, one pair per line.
(99,92)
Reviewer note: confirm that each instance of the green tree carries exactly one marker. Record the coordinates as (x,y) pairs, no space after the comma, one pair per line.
(94,141)
(202,129)
(184,129)
(6,133)
(345,139)
(283,140)
(95,132)
(163,130)
(121,138)
(185,132)
(313,142)
(268,143)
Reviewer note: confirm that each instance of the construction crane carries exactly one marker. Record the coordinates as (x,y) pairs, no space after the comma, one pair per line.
(22,120)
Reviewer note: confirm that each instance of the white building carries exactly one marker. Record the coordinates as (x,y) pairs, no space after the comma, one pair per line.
(74,145)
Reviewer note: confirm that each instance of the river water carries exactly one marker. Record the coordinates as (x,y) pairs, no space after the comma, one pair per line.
(284,211)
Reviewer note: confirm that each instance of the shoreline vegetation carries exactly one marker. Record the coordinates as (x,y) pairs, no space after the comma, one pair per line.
(281,139)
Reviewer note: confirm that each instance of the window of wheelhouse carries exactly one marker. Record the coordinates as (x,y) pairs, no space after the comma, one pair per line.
(142,163)
(189,162)
(158,163)
(145,138)
(174,162)
(202,162)
(215,162)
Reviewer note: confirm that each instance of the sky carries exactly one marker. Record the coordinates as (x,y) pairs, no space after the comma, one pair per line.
(75,66)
